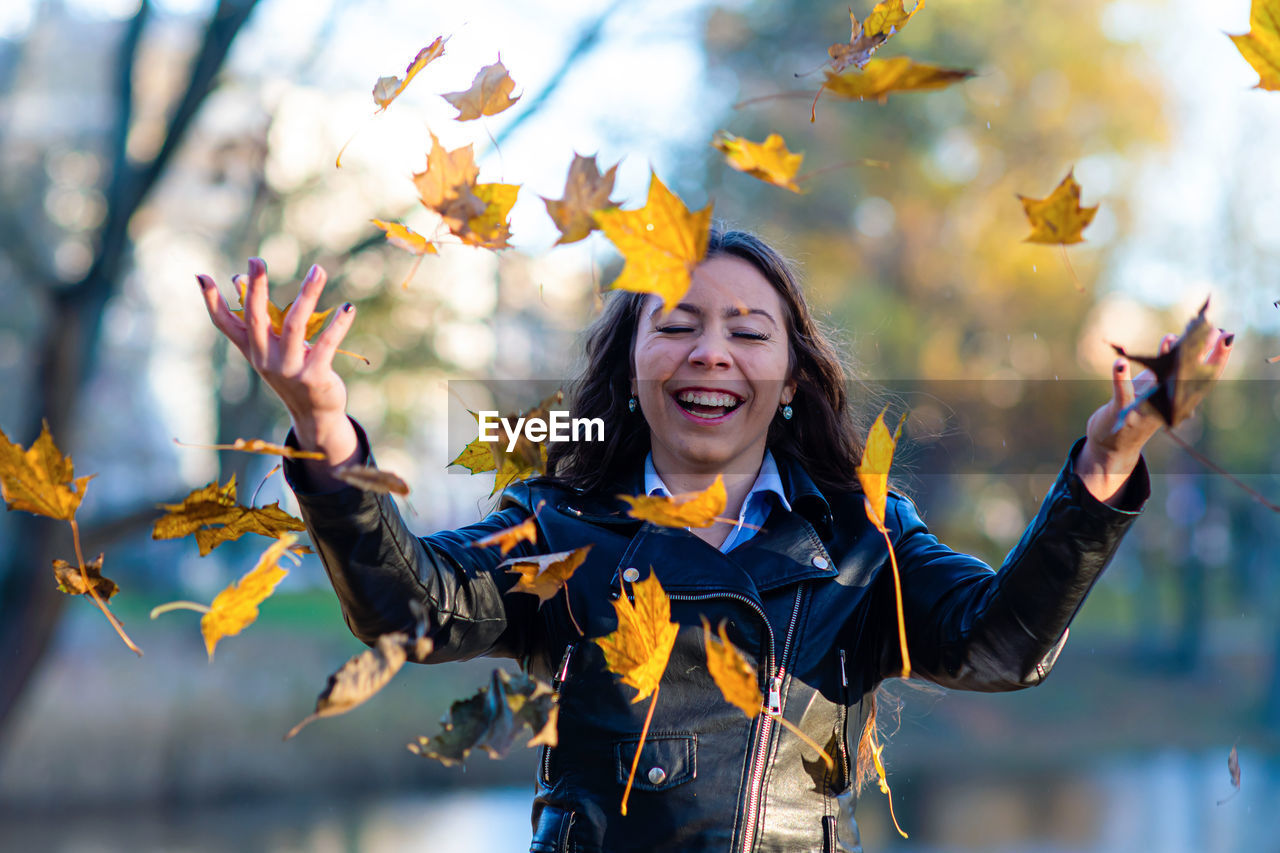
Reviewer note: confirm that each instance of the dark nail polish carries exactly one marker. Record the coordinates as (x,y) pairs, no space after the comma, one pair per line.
(200,281)
(312,273)
(1229,339)
(347,307)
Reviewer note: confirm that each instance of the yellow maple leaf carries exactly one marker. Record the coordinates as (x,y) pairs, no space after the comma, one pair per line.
(214,516)
(526,459)
(880,77)
(491,228)
(1058,218)
(545,574)
(639,650)
(873,476)
(1261,45)
(509,537)
(387,89)
(886,19)
(585,191)
(315,323)
(404,237)
(732,674)
(477,457)
(691,509)
(662,242)
(236,607)
(770,161)
(259,446)
(488,95)
(41,479)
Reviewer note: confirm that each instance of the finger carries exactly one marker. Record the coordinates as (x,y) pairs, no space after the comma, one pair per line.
(255,312)
(1167,342)
(1220,352)
(1121,384)
(226,322)
(294,328)
(331,338)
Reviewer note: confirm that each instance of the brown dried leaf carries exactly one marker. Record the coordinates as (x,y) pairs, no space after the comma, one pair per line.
(372,479)
(545,574)
(585,192)
(363,676)
(447,173)
(488,95)
(40,479)
(886,19)
(71,581)
(387,89)
(1182,378)
(492,718)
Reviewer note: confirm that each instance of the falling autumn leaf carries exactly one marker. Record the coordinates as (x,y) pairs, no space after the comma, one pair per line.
(446,174)
(639,649)
(881,77)
(543,575)
(40,479)
(770,161)
(1233,767)
(585,192)
(1182,379)
(372,479)
(72,581)
(404,237)
(1261,45)
(732,674)
(257,445)
(526,459)
(491,228)
(387,89)
(1058,218)
(214,516)
(493,718)
(510,537)
(886,19)
(883,781)
(661,242)
(276,314)
(488,95)
(236,607)
(477,457)
(873,476)
(692,509)
(361,677)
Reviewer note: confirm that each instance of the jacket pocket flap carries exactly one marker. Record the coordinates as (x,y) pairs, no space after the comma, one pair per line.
(667,760)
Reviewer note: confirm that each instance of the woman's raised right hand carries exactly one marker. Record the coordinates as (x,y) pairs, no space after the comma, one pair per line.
(300,374)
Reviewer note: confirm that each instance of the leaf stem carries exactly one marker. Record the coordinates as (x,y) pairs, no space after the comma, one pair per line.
(897,594)
(161,609)
(644,733)
(253,500)
(793,93)
(791,727)
(569,607)
(1066,260)
(861,161)
(1212,466)
(93,593)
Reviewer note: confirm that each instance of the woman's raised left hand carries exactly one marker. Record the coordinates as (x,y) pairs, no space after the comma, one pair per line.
(1110,455)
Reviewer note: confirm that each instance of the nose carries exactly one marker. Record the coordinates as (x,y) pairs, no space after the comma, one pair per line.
(710,352)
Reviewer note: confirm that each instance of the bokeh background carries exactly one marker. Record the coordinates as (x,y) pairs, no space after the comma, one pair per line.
(140,144)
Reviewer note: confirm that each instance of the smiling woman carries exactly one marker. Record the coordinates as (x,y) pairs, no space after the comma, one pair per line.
(735,381)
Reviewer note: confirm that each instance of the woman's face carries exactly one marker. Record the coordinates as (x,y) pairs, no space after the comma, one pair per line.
(711,373)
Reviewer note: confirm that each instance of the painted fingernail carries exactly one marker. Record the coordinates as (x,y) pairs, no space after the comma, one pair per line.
(1229,339)
(347,307)
(257,266)
(312,273)
(200,281)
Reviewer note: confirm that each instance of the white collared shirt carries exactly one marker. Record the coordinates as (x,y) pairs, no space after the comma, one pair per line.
(755,508)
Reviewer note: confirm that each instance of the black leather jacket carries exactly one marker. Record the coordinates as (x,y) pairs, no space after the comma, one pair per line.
(809,599)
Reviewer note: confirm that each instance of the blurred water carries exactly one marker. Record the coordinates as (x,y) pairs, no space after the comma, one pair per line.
(1166,801)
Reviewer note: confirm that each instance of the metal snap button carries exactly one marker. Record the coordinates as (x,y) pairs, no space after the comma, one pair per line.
(656,775)
(820,562)
(631,575)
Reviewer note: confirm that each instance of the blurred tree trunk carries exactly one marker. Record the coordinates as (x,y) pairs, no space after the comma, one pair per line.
(30,604)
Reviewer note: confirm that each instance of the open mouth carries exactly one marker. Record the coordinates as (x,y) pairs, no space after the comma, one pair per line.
(708,405)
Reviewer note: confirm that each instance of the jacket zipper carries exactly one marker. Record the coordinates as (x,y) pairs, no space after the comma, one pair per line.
(557,680)
(844,718)
(773,705)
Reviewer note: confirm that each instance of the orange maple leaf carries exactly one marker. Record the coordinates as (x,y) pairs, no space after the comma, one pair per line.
(446,175)
(404,237)
(236,607)
(1058,218)
(691,509)
(488,95)
(585,192)
(770,161)
(880,77)
(387,89)
(545,574)
(41,479)
(509,537)
(730,671)
(662,242)
(214,516)
(1261,45)
(873,476)
(639,650)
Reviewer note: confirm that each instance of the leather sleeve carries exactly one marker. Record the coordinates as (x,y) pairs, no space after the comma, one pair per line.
(377,566)
(972,628)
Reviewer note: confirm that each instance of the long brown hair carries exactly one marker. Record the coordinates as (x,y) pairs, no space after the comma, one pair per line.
(822,436)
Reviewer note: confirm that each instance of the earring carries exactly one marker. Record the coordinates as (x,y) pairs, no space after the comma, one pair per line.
(632,403)
(786,412)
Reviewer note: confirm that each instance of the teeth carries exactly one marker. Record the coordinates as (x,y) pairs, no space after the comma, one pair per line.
(704,398)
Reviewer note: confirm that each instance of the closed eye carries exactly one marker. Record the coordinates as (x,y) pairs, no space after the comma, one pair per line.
(753,336)
(674,330)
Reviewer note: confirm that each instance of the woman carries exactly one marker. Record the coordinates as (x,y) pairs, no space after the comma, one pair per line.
(736,380)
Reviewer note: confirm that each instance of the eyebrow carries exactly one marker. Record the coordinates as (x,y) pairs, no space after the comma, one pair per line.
(729,313)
